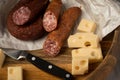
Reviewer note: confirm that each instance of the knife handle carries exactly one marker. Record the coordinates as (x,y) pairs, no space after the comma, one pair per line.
(48,67)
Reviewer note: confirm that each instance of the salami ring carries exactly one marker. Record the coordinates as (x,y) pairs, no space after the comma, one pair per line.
(27,10)
(51,16)
(56,38)
(31,31)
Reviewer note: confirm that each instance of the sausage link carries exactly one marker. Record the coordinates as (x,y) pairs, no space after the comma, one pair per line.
(56,38)
(51,15)
(26,10)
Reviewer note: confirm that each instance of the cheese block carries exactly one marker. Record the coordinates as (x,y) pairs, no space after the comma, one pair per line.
(83,40)
(93,54)
(2,58)
(86,26)
(15,73)
(79,65)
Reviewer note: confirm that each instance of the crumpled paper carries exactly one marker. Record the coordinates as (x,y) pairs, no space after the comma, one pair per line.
(106,13)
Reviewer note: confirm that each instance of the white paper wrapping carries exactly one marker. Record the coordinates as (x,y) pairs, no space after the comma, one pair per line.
(106,13)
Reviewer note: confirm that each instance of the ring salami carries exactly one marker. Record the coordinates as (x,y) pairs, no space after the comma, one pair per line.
(51,15)
(56,38)
(31,31)
(26,10)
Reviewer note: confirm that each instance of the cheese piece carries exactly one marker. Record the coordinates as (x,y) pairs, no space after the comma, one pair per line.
(15,73)
(2,58)
(83,40)
(79,65)
(93,54)
(87,26)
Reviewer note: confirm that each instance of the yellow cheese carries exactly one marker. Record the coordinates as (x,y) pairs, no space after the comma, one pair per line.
(2,58)
(93,54)
(83,40)
(15,73)
(87,26)
(79,65)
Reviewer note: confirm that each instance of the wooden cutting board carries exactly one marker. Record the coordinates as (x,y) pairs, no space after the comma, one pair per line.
(63,60)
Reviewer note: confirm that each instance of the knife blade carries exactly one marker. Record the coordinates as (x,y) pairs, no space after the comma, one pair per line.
(39,63)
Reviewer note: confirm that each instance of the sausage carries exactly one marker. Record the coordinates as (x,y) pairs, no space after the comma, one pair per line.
(56,38)
(31,31)
(26,10)
(51,15)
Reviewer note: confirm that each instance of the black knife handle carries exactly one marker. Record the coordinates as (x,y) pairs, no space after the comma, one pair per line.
(48,67)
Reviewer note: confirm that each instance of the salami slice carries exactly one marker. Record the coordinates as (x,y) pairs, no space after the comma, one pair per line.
(56,38)
(26,10)
(51,15)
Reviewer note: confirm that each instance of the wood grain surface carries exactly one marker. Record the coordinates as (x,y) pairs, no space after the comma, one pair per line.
(63,60)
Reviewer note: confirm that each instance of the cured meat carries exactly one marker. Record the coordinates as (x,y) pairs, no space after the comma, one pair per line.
(27,10)
(56,38)
(31,31)
(51,16)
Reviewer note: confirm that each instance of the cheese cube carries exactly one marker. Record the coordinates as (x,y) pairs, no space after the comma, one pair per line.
(83,40)
(79,66)
(93,54)
(15,73)
(87,26)
(2,58)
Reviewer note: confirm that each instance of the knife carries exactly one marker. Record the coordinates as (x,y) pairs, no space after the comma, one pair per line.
(39,63)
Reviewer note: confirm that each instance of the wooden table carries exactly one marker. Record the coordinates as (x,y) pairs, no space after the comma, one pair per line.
(63,60)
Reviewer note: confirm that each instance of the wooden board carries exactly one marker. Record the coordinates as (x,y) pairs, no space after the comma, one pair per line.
(63,60)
